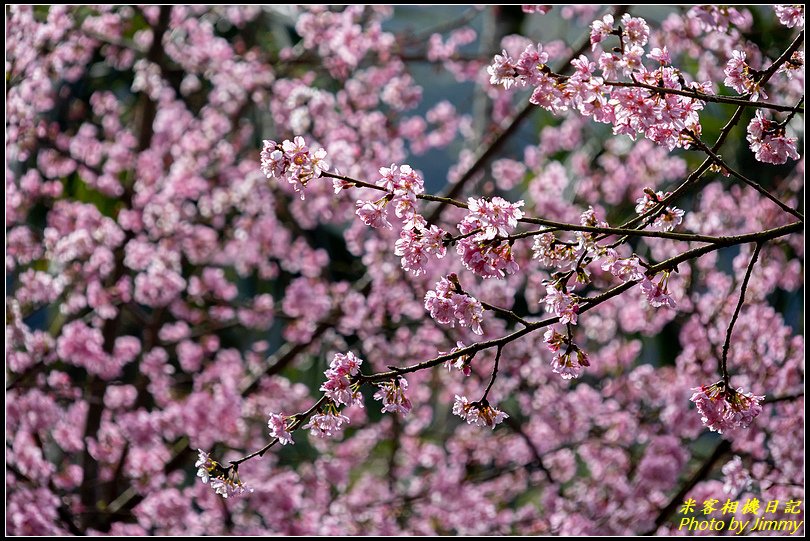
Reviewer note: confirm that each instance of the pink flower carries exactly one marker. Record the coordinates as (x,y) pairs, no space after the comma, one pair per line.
(325,425)
(736,477)
(338,386)
(635,29)
(294,161)
(554,340)
(446,306)
(658,294)
(502,71)
(226,487)
(569,364)
(553,253)
(601,29)
(561,303)
(374,213)
(667,219)
(462,362)
(536,9)
(790,15)
(740,78)
(478,413)
(415,245)
(531,61)
(660,55)
(468,311)
(204,465)
(769,142)
(278,428)
(486,258)
(392,395)
(497,217)
(724,408)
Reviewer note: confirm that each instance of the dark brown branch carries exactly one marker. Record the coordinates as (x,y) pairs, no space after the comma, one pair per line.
(730,330)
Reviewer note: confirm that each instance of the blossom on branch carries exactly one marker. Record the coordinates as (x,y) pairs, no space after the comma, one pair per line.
(478,413)
(722,408)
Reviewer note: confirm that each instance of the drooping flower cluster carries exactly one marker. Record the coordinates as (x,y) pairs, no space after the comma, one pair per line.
(293,161)
(339,386)
(769,142)
(668,219)
(326,424)
(373,213)
(657,293)
(478,413)
(569,360)
(723,408)
(392,396)
(447,305)
(225,482)
(560,302)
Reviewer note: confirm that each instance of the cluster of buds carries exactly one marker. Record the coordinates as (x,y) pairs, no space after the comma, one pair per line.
(224,481)
(723,408)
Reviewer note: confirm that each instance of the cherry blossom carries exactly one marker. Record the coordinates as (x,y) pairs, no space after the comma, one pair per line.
(723,408)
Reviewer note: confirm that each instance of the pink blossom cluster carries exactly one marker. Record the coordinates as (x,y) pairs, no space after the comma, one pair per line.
(550,252)
(461,362)
(568,360)
(478,413)
(326,425)
(392,396)
(790,15)
(723,408)
(560,302)
(741,77)
(339,386)
(279,428)
(657,293)
(769,142)
(293,161)
(484,227)
(668,218)
(448,306)
(628,269)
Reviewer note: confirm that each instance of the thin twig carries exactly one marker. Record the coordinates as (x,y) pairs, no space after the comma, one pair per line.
(740,301)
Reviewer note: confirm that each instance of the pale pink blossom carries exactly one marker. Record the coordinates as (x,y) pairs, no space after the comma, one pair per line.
(723,408)
(478,413)
(392,395)
(790,15)
(326,425)
(277,424)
